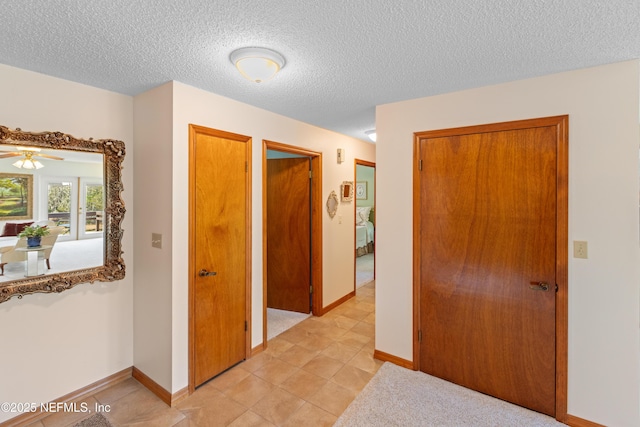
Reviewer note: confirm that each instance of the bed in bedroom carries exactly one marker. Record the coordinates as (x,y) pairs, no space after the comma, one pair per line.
(364,231)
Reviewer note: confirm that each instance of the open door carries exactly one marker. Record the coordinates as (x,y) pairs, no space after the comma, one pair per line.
(289,234)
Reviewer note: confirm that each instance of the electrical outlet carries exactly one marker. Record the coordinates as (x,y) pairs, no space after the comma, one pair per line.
(580,249)
(156,240)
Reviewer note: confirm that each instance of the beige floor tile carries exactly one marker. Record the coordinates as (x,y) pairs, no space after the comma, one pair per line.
(323,366)
(250,419)
(332,332)
(228,379)
(354,340)
(216,411)
(277,346)
(118,391)
(353,378)
(142,408)
(311,416)
(365,361)
(370,346)
(248,391)
(200,398)
(370,319)
(339,351)
(277,406)
(297,355)
(365,329)
(355,313)
(276,371)
(256,362)
(303,384)
(333,398)
(316,343)
(78,410)
(295,335)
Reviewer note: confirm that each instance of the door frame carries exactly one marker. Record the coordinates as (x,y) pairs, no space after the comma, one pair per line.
(562,239)
(361,162)
(74,203)
(193,130)
(316,228)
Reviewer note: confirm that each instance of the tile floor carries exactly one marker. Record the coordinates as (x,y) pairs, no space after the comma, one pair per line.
(307,377)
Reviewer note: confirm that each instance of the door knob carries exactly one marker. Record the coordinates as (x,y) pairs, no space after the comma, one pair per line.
(540,286)
(205,273)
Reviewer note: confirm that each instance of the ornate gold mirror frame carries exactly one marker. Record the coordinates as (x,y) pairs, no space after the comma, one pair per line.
(113,269)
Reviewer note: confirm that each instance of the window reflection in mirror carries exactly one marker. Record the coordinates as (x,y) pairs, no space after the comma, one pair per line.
(62,190)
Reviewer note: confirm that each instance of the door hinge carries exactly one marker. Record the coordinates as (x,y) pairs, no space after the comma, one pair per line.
(311,289)
(246,326)
(420,336)
(310,174)
(420,164)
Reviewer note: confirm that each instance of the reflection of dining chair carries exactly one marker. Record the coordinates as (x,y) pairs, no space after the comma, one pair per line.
(99,220)
(10,254)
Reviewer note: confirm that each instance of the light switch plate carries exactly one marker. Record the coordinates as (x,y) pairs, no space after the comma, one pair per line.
(156,240)
(580,249)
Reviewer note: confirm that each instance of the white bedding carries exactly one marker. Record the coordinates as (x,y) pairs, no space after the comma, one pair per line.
(364,234)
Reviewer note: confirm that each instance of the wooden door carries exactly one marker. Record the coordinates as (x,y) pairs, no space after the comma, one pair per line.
(488,238)
(289,234)
(219,250)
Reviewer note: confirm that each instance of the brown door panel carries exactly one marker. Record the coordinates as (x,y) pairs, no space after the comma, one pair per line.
(487,238)
(220,253)
(288,234)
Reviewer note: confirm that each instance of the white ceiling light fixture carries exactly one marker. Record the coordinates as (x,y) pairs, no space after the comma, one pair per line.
(371,134)
(257,64)
(28,162)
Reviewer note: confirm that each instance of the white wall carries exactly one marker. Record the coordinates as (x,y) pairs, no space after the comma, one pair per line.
(53,344)
(604,292)
(195,106)
(152,302)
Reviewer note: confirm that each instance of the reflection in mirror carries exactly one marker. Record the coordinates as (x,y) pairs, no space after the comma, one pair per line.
(72,188)
(60,189)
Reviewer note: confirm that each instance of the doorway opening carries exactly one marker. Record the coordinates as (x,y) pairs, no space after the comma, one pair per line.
(365,179)
(292,236)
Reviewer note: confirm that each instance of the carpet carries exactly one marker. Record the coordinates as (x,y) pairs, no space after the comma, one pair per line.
(279,321)
(364,269)
(397,396)
(96,420)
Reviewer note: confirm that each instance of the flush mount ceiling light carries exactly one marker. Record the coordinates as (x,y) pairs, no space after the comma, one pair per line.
(257,64)
(371,134)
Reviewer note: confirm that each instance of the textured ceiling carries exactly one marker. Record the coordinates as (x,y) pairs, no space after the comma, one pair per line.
(344,57)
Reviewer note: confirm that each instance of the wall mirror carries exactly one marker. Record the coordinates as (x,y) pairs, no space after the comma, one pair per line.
(332,204)
(73,187)
(346,191)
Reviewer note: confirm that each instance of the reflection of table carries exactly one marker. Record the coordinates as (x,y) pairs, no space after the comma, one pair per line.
(35,259)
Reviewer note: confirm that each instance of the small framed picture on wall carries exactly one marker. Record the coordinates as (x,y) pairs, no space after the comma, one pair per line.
(362,192)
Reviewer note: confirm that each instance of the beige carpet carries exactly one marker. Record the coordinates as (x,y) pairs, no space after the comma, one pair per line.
(364,269)
(397,396)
